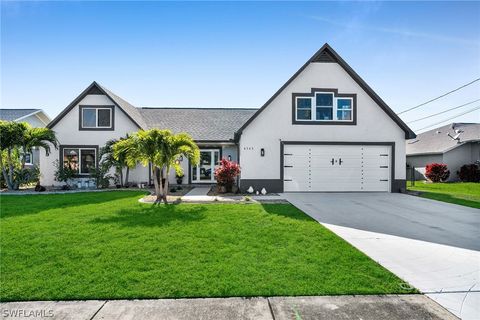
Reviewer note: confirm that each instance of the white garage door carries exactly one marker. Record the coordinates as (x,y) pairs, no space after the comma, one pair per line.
(336,168)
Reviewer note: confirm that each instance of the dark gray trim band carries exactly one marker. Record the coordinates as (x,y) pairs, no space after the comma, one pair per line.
(80,117)
(342,143)
(312,93)
(83,146)
(271,185)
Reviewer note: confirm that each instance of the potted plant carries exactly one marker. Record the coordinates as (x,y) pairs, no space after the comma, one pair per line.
(179,177)
(226,174)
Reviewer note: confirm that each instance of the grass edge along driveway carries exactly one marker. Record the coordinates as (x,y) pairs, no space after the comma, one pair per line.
(461,193)
(106,245)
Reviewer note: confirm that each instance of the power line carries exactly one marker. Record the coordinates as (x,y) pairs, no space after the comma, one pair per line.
(455,116)
(439,113)
(443,95)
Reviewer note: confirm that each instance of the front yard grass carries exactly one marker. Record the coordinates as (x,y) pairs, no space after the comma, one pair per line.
(462,193)
(106,245)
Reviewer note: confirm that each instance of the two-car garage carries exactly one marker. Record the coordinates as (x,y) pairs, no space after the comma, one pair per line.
(331,167)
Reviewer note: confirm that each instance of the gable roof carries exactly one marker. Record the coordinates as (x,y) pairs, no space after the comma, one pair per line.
(327,55)
(203,124)
(436,141)
(15,114)
(130,111)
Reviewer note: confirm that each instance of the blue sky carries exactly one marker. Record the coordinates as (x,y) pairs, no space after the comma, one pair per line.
(236,54)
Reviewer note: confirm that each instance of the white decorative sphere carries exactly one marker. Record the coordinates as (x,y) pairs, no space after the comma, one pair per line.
(264,191)
(250,190)
(258,193)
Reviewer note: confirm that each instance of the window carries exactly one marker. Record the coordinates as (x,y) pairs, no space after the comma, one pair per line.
(304,108)
(325,107)
(344,109)
(82,160)
(96,117)
(28,158)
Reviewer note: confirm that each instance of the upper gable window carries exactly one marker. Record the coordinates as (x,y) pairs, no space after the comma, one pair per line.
(96,117)
(324,106)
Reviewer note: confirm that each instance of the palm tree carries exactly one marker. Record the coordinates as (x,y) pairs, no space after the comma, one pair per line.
(16,139)
(37,138)
(108,160)
(160,148)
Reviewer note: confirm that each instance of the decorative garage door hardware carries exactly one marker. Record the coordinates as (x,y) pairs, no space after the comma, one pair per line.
(339,161)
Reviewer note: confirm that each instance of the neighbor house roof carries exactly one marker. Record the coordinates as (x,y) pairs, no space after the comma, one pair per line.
(15,114)
(326,54)
(441,140)
(203,124)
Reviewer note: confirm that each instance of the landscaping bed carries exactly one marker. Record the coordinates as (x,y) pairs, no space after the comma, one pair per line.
(107,245)
(462,193)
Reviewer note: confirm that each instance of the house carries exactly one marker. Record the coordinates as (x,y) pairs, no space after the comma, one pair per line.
(455,144)
(325,129)
(37,118)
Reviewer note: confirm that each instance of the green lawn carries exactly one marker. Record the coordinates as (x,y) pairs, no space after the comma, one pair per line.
(108,246)
(463,193)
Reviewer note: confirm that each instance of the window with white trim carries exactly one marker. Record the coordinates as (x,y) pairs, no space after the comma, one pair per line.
(324,107)
(96,118)
(82,160)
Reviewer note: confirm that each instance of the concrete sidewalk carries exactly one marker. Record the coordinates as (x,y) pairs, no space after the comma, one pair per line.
(392,307)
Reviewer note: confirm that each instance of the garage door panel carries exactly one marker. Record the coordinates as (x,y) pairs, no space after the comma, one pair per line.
(354,168)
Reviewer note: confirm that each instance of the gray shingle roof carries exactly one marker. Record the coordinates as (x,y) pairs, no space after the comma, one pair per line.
(14,114)
(437,140)
(128,108)
(212,124)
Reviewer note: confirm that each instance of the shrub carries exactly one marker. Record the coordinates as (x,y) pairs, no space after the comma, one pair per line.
(437,172)
(469,173)
(226,174)
(64,173)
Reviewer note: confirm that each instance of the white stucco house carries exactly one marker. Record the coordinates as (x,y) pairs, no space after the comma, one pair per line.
(325,129)
(37,118)
(454,144)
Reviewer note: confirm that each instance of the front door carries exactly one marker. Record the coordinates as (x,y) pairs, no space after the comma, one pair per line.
(204,172)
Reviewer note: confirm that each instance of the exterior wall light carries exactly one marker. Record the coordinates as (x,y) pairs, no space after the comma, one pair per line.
(262,152)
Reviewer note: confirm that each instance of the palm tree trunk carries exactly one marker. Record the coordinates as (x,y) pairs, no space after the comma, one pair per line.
(120,175)
(165,189)
(156,184)
(5,175)
(162,187)
(126,176)
(10,171)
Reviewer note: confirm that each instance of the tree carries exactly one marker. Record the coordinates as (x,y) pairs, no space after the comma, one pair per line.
(17,138)
(108,160)
(160,148)
(38,138)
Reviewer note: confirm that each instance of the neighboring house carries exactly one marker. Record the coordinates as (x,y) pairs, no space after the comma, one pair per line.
(35,117)
(323,130)
(455,144)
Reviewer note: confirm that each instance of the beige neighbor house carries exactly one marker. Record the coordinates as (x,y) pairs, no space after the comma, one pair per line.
(455,144)
(37,118)
(325,129)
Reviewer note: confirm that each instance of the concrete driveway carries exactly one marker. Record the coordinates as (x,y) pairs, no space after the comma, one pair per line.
(434,246)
